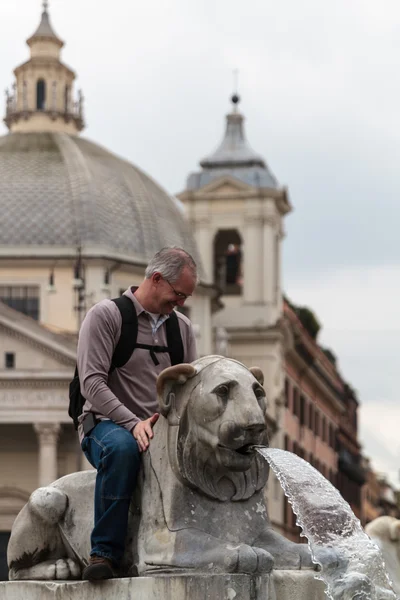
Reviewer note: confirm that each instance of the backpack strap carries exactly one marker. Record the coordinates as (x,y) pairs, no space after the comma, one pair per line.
(129,329)
(174,339)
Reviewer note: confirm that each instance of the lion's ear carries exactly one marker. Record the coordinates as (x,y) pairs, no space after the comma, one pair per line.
(258,374)
(167,380)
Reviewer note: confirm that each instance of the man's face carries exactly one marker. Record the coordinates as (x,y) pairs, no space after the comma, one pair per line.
(168,294)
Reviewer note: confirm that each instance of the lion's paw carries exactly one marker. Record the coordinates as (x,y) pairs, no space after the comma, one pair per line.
(63,568)
(250,560)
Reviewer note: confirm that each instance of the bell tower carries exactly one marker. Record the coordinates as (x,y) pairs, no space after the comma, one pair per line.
(236,208)
(42,97)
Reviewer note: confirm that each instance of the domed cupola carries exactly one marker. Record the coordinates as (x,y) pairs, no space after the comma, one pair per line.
(59,191)
(234,157)
(42,94)
(77,223)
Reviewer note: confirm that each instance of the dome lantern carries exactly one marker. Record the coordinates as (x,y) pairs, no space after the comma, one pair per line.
(42,95)
(44,32)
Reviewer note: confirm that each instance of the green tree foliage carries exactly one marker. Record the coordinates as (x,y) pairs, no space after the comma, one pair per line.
(308,320)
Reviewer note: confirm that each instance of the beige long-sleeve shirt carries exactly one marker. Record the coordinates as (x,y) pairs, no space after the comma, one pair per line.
(128,395)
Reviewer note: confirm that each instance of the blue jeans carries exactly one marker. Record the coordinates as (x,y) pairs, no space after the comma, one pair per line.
(114,452)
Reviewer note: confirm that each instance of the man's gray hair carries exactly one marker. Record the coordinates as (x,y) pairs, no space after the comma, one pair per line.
(170,262)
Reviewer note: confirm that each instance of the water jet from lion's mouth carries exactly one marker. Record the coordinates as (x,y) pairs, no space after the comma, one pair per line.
(350,563)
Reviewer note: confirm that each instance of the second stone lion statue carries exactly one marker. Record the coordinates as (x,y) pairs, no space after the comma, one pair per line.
(200,503)
(385,532)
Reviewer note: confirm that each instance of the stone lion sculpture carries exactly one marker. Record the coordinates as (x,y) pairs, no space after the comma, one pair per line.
(199,504)
(385,532)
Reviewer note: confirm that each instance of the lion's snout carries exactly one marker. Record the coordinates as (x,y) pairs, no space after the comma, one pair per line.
(235,436)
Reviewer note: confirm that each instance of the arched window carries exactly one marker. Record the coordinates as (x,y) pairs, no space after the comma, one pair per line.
(228,261)
(41,94)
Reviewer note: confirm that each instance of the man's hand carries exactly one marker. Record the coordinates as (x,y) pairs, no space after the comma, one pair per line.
(143,432)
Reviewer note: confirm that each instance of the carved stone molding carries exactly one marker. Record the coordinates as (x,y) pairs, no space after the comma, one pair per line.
(47,433)
(271,220)
(253,219)
(25,400)
(200,223)
(36,345)
(31,384)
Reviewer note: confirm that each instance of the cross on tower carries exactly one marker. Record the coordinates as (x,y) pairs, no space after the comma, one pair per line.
(235,80)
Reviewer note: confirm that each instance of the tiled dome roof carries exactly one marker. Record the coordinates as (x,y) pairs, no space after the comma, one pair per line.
(59,190)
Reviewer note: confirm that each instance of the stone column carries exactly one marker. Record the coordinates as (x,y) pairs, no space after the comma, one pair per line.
(204,239)
(54,96)
(47,437)
(279,240)
(271,242)
(270,259)
(253,259)
(24,95)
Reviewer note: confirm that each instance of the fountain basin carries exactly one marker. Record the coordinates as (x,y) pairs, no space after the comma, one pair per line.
(281,585)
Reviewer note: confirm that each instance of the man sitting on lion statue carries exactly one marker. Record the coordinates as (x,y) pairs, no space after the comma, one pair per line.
(200,504)
(199,499)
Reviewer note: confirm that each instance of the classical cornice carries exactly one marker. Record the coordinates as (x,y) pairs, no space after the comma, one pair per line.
(307,370)
(42,375)
(213,187)
(47,346)
(309,348)
(250,334)
(32,383)
(67,255)
(44,61)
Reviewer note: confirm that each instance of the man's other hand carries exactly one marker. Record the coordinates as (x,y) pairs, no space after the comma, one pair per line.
(143,432)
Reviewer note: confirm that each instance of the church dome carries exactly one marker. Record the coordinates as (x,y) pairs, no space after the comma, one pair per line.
(59,190)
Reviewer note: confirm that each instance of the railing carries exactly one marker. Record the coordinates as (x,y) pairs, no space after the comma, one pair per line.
(74,111)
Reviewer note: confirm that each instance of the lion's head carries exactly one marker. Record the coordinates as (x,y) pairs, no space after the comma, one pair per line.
(216,408)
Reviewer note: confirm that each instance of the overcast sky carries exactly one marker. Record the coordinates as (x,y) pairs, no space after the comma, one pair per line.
(320,89)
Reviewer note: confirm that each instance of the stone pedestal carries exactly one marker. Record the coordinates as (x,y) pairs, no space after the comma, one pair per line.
(283,585)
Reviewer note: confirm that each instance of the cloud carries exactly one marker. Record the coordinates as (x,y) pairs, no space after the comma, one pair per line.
(353,298)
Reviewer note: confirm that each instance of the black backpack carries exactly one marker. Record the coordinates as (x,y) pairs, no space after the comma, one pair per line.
(124,349)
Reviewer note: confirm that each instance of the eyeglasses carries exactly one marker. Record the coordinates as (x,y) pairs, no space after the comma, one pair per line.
(179,295)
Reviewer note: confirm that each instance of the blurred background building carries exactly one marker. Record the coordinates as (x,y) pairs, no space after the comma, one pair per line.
(79,224)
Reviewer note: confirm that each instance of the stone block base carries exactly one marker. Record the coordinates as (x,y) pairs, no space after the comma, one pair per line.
(283,585)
